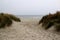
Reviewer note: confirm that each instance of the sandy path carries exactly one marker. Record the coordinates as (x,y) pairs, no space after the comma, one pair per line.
(28,29)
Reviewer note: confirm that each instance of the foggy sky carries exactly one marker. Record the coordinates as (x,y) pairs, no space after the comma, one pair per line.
(29,7)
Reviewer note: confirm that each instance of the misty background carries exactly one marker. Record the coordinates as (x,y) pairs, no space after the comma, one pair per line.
(29,7)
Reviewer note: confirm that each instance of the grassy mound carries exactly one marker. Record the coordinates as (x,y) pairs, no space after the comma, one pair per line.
(6,19)
(50,20)
(12,17)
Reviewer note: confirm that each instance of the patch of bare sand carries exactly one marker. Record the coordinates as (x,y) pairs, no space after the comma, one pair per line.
(28,29)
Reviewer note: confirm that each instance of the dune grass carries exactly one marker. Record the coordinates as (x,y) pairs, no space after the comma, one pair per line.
(50,20)
(6,19)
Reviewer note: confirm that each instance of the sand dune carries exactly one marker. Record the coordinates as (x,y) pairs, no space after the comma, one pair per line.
(28,29)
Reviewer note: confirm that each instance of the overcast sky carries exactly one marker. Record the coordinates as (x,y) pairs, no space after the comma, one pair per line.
(29,7)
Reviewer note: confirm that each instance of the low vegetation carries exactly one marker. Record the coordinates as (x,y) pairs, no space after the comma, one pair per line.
(51,20)
(6,19)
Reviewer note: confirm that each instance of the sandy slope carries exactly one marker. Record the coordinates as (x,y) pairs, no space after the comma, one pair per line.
(28,29)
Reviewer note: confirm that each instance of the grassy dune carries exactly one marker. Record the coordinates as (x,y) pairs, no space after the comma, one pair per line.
(6,19)
(28,29)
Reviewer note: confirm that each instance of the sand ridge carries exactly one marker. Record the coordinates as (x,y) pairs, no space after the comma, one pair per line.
(28,29)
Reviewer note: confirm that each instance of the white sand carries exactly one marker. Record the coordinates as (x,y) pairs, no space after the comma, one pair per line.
(28,29)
